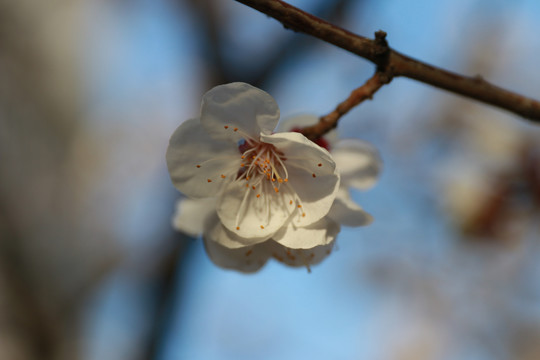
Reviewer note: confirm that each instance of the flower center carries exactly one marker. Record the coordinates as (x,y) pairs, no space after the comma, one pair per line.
(262,162)
(262,167)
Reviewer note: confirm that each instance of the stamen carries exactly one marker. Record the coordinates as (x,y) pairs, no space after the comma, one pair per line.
(319,165)
(314,175)
(198,166)
(238,228)
(262,227)
(223,176)
(253,187)
(290,202)
(209,180)
(226,126)
(299,206)
(235,129)
(258,195)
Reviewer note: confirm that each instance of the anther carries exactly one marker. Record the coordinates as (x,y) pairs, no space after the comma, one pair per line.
(286,180)
(313,175)
(299,206)
(208,180)
(319,165)
(242,157)
(223,176)
(262,227)
(226,126)
(258,195)
(235,129)
(249,252)
(276,190)
(238,228)
(242,165)
(290,202)
(303,214)
(247,185)
(198,166)
(253,187)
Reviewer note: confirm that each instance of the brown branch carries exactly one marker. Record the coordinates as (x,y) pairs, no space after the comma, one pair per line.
(392,63)
(364,92)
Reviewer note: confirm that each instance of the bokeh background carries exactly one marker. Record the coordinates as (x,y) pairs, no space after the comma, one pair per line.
(90,267)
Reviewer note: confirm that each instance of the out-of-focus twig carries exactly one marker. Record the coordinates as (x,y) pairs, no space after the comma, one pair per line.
(395,64)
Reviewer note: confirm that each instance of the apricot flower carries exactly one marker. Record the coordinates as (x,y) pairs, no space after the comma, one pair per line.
(263,182)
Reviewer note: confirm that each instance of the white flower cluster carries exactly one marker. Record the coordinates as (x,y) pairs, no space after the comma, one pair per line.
(255,194)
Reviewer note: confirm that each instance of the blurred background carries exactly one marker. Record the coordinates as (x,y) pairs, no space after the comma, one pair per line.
(90,268)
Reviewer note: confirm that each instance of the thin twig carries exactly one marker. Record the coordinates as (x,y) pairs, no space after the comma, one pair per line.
(393,63)
(364,92)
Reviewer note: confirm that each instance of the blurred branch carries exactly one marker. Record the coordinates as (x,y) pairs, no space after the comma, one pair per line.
(364,92)
(395,64)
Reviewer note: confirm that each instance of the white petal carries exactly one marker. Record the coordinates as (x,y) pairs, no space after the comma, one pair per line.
(322,232)
(190,146)
(215,231)
(249,216)
(239,106)
(358,163)
(346,212)
(191,215)
(312,175)
(246,259)
(305,120)
(299,257)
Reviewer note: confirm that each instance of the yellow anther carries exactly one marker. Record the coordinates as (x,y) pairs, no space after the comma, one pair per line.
(299,206)
(262,227)
(238,228)
(290,202)
(276,190)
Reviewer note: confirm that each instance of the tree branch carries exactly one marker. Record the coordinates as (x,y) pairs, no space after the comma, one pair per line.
(392,63)
(364,92)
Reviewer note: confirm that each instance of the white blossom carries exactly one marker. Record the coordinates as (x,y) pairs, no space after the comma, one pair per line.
(263,182)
